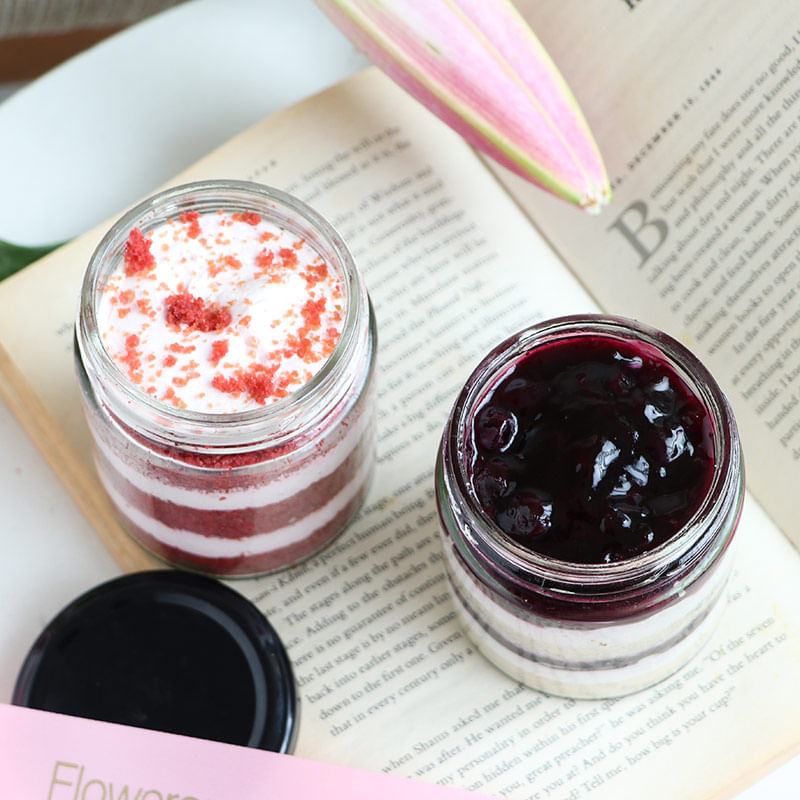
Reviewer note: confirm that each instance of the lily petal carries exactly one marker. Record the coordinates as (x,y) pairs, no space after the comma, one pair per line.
(479,67)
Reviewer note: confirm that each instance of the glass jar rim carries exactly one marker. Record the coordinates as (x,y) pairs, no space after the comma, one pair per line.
(686,547)
(233,195)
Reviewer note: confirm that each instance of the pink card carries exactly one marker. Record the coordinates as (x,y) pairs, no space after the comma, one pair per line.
(46,756)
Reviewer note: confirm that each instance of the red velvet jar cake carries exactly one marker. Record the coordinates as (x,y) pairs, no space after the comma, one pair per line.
(589,484)
(225,351)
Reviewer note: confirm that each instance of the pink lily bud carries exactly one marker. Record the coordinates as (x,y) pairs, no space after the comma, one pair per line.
(479,67)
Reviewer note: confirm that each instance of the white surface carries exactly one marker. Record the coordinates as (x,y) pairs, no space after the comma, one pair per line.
(80,144)
(109,126)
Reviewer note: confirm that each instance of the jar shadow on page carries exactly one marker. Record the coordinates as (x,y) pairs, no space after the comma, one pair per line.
(589,484)
(225,350)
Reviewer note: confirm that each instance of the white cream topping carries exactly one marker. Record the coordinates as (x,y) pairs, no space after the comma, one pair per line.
(221,312)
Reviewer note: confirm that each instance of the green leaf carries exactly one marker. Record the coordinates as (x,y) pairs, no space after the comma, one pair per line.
(13,257)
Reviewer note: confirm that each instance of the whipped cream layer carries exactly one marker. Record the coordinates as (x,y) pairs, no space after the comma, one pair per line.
(220,312)
(590,660)
(243,518)
(293,530)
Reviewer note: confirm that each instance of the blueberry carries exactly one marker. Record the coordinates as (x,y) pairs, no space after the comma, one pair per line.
(495,429)
(491,481)
(611,553)
(526,516)
(524,395)
(623,383)
(616,521)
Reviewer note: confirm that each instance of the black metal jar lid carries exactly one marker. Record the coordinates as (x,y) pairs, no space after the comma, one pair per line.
(169,651)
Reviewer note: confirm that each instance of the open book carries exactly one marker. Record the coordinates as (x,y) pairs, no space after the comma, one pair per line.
(696,108)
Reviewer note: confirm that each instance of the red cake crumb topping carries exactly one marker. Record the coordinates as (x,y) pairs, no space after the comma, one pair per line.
(315,273)
(132,358)
(311,312)
(192,221)
(228,261)
(257,382)
(250,217)
(219,349)
(265,258)
(288,256)
(138,257)
(185,309)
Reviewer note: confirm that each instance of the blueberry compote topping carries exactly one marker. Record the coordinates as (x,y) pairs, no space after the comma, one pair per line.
(591,450)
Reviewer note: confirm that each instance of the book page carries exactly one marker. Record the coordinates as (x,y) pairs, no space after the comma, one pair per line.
(388,680)
(696,109)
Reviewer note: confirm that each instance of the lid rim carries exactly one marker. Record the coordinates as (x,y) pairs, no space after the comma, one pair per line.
(217,607)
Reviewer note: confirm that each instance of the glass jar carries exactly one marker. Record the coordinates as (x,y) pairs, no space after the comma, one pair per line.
(588,630)
(249,491)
